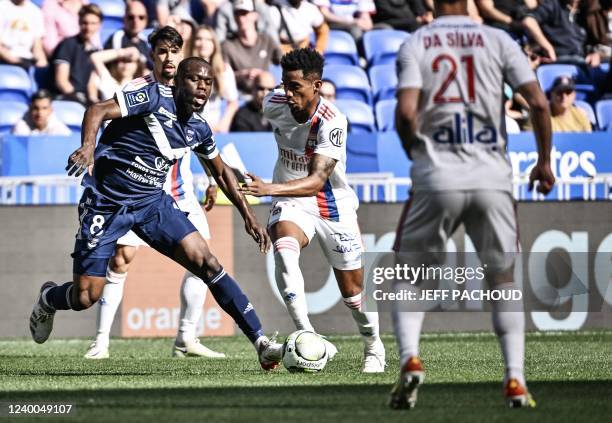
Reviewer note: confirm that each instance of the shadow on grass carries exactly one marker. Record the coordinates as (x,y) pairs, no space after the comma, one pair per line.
(557,401)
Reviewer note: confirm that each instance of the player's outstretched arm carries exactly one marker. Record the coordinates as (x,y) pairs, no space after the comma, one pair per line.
(540,119)
(406,117)
(82,158)
(224,175)
(319,170)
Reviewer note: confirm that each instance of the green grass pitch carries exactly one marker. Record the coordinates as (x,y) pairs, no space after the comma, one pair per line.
(569,374)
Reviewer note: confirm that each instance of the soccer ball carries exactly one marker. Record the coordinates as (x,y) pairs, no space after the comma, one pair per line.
(304,351)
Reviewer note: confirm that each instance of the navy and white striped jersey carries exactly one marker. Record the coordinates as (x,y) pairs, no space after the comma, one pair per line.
(134,154)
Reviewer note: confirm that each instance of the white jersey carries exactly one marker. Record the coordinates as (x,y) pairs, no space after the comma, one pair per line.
(460,67)
(324,133)
(179,182)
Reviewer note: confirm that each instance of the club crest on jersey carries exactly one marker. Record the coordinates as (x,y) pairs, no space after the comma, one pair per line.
(137,98)
(335,137)
(189,135)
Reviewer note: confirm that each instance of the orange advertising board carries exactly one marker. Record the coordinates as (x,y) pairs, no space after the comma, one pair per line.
(151,306)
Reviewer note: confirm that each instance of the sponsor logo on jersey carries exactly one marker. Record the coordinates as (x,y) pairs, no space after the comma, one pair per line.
(335,137)
(462,130)
(137,98)
(161,164)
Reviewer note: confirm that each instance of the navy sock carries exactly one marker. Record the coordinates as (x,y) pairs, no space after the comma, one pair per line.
(232,300)
(58,296)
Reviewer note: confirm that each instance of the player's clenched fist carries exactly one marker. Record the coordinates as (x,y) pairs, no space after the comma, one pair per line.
(542,173)
(80,160)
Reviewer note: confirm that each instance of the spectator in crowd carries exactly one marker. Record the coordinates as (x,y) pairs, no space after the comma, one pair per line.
(249,117)
(207,47)
(250,53)
(566,117)
(116,67)
(73,67)
(226,26)
(167,8)
(592,17)
(40,119)
(554,27)
(186,26)
(296,20)
(134,23)
(21,31)
(405,15)
(505,14)
(61,21)
(328,90)
(352,16)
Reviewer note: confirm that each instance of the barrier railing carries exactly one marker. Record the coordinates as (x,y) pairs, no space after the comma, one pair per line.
(371,187)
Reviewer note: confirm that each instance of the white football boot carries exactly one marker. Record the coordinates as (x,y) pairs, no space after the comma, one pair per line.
(403,396)
(194,349)
(270,353)
(374,358)
(41,318)
(97,351)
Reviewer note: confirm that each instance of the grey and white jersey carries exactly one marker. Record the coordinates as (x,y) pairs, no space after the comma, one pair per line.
(460,67)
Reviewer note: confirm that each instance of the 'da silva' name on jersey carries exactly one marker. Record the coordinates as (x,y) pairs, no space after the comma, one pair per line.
(454,39)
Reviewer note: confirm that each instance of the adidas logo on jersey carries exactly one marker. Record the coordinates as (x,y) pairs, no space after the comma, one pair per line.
(248,308)
(168,123)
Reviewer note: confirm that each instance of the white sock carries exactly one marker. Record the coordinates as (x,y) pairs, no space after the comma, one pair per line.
(290,281)
(367,322)
(193,294)
(407,326)
(509,326)
(108,304)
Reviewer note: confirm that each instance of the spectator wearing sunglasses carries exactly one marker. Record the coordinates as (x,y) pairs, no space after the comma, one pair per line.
(566,117)
(134,23)
(249,117)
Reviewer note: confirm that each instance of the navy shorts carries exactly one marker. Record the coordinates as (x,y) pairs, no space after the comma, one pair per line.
(158,222)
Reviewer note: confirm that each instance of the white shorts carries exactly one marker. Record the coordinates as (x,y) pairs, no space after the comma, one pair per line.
(489,217)
(195,215)
(341,241)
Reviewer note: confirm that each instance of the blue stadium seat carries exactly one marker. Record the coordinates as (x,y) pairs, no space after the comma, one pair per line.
(113,12)
(341,49)
(384,81)
(547,73)
(603,109)
(359,115)
(385,115)
(589,111)
(10,113)
(381,45)
(15,84)
(351,82)
(69,112)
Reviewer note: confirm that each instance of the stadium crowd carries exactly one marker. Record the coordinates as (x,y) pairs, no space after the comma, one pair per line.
(76,51)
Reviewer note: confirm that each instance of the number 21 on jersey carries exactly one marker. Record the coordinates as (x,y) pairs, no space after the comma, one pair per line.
(467,66)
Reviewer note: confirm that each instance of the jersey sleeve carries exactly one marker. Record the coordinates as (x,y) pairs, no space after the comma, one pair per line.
(516,68)
(272,103)
(138,101)
(408,70)
(206,146)
(331,138)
